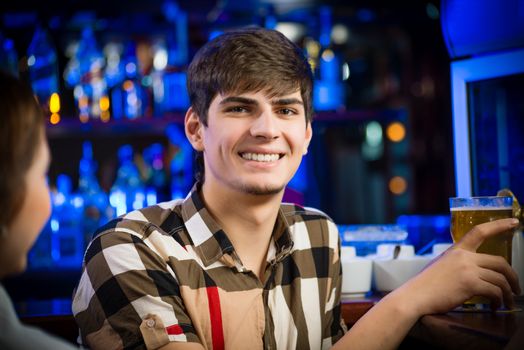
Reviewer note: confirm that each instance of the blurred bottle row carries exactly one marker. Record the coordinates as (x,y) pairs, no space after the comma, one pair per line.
(142,179)
(125,78)
(128,77)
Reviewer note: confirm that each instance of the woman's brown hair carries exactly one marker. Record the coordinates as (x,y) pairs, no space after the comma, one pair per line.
(21,129)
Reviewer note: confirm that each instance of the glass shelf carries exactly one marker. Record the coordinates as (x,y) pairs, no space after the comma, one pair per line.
(155,126)
(140,126)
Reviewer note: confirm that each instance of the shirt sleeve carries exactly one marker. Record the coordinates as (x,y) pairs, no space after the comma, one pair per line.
(335,327)
(128,297)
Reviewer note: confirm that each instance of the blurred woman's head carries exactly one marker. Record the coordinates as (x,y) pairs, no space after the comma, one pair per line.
(24,160)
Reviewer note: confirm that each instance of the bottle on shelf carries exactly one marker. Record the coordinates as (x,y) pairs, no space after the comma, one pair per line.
(128,97)
(67,240)
(96,210)
(43,67)
(174,92)
(127,193)
(114,71)
(154,174)
(181,162)
(160,62)
(329,89)
(85,73)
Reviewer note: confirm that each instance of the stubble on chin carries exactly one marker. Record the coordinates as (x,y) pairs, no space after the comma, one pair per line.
(261,190)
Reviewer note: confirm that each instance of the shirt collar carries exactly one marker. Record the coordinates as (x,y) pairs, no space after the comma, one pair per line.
(212,242)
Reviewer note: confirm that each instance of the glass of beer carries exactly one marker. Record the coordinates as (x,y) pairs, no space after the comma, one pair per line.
(471,211)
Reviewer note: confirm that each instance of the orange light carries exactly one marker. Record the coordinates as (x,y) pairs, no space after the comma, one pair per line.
(54,119)
(83,102)
(328,55)
(398,185)
(396,132)
(84,118)
(128,85)
(104,103)
(54,103)
(105,116)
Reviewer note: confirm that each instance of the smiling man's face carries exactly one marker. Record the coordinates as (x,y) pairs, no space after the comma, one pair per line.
(254,143)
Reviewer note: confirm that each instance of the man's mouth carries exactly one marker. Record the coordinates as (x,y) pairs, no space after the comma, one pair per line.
(261,157)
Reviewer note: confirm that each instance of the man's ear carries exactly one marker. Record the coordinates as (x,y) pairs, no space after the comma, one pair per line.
(309,135)
(193,128)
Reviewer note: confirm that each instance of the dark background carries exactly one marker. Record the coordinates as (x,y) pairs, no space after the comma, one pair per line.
(399,71)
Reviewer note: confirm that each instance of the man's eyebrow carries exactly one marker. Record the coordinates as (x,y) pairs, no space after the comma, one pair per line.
(287,101)
(238,99)
(250,101)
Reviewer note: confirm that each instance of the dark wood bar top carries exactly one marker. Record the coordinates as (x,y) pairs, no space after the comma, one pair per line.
(453,330)
(473,330)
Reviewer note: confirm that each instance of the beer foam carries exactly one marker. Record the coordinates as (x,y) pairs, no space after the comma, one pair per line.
(477,208)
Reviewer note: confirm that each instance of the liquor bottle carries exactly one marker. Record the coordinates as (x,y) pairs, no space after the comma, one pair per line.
(114,71)
(329,91)
(127,193)
(160,62)
(155,174)
(67,241)
(127,97)
(181,162)
(175,96)
(97,210)
(43,66)
(84,72)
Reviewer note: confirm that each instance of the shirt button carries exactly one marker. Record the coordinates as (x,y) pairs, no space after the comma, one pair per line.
(150,323)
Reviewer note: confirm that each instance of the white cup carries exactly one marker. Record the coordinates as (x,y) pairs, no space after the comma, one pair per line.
(356,272)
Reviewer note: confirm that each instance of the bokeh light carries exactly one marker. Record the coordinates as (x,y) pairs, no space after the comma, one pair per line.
(396,131)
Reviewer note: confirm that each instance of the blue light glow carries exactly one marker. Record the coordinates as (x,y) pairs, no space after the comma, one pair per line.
(117,199)
(373,133)
(130,68)
(31,60)
(78,201)
(151,197)
(140,198)
(55,225)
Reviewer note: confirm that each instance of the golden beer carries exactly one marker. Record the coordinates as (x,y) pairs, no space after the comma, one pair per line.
(466,215)
(464,219)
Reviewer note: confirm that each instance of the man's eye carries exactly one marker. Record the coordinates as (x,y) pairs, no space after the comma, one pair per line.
(237,109)
(287,111)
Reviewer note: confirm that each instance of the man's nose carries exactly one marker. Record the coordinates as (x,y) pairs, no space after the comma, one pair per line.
(265,125)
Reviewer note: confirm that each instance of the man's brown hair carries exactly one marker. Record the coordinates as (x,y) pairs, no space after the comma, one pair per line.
(21,129)
(247,60)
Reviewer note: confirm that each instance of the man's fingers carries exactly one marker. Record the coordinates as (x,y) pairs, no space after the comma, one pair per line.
(499,280)
(492,292)
(500,265)
(474,238)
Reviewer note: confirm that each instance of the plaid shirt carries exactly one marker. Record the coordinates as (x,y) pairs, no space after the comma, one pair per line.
(168,273)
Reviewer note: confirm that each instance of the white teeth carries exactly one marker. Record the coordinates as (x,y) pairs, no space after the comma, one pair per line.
(259,157)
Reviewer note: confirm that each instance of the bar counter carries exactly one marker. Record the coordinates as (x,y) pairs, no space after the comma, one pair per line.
(453,330)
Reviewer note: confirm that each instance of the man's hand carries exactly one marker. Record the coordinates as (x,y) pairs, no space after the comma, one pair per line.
(455,276)
(460,273)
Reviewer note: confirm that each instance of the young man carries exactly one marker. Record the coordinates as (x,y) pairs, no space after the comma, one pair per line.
(230,266)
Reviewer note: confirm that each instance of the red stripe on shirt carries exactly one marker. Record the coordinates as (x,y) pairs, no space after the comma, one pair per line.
(174,330)
(217,333)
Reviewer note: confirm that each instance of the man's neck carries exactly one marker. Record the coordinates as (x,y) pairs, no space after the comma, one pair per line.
(248,220)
